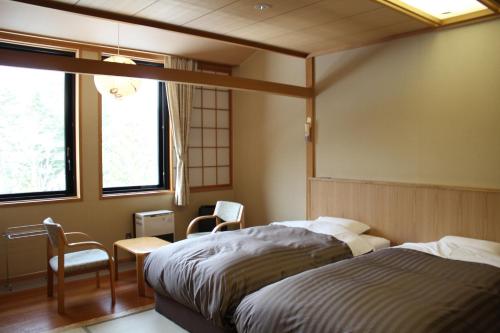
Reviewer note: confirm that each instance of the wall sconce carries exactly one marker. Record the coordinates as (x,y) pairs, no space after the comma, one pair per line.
(307,128)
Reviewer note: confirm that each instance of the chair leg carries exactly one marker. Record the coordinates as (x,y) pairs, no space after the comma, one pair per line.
(60,291)
(50,282)
(115,255)
(97,280)
(112,281)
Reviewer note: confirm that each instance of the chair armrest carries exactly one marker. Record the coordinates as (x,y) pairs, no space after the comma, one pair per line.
(89,244)
(73,233)
(196,220)
(224,224)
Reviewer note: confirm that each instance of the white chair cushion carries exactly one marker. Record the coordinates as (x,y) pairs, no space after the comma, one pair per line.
(81,260)
(198,234)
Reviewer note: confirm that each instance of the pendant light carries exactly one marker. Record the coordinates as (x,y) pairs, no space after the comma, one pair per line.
(117,86)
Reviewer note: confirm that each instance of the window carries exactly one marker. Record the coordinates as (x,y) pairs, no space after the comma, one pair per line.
(210,136)
(37,131)
(135,140)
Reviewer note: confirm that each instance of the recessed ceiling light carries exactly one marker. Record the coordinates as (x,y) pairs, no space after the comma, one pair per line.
(443,9)
(262,6)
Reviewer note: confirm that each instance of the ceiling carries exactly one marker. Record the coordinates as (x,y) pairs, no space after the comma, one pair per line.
(308,26)
(24,18)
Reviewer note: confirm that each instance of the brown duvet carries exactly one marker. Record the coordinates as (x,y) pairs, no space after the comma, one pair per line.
(392,290)
(211,274)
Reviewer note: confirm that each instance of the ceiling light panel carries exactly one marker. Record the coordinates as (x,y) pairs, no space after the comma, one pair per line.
(444,9)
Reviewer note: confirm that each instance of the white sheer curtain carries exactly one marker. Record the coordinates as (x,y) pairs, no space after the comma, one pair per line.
(179,99)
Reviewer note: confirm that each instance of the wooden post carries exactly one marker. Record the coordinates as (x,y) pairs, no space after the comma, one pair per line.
(311,141)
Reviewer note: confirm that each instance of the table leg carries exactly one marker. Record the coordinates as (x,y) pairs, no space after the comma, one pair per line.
(115,255)
(140,274)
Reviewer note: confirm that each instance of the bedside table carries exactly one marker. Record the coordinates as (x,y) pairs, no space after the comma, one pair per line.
(140,247)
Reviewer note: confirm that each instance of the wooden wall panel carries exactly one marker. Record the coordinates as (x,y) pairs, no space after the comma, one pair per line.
(409,212)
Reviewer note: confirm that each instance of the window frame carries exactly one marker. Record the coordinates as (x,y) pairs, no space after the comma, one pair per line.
(164,169)
(70,163)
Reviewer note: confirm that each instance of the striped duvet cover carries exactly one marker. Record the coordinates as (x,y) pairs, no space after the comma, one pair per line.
(211,274)
(392,290)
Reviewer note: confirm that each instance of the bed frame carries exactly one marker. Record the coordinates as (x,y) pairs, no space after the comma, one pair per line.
(183,316)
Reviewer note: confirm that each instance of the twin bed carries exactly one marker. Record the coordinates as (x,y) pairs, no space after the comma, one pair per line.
(326,276)
(393,290)
(212,274)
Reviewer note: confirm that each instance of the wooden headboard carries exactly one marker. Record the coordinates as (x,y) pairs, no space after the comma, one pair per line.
(409,212)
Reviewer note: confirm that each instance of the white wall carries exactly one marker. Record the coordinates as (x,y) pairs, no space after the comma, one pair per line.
(424,109)
(269,146)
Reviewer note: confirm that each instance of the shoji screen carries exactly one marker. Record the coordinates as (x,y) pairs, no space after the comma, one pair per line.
(210,155)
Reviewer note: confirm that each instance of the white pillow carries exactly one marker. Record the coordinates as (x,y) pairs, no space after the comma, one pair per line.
(471,243)
(352,225)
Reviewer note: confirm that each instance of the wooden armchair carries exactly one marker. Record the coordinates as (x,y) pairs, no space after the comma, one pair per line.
(226,213)
(78,262)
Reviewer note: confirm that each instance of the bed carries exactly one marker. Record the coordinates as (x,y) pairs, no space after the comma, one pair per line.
(452,285)
(199,282)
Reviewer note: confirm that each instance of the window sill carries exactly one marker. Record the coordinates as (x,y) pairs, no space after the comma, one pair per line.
(39,201)
(133,194)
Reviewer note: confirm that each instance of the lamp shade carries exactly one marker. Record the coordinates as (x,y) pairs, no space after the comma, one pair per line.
(117,86)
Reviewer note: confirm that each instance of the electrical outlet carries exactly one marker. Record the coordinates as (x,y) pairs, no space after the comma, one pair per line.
(128,235)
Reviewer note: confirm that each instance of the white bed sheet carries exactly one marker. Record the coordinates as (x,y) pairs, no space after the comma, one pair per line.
(378,243)
(450,250)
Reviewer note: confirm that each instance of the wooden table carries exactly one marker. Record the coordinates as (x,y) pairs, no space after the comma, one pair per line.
(141,247)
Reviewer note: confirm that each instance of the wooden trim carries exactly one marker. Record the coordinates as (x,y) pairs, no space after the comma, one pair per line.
(492,10)
(413,12)
(469,17)
(14,203)
(87,66)
(394,183)
(160,25)
(231,145)
(78,134)
(491,5)
(135,194)
(99,146)
(311,142)
(405,212)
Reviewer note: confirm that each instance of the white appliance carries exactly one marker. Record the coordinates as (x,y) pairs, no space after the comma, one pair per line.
(154,223)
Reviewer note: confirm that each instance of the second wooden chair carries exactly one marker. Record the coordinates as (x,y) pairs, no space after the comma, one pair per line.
(226,214)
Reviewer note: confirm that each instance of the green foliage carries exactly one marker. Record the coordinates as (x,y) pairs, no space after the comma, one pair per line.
(32,142)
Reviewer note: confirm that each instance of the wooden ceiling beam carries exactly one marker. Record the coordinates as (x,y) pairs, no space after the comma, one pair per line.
(161,25)
(87,66)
